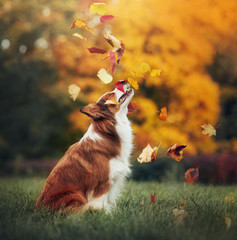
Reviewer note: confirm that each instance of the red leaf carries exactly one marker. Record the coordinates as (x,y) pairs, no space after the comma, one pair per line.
(153,198)
(96,50)
(112,58)
(192,175)
(131,107)
(176,152)
(119,85)
(106,18)
(120,52)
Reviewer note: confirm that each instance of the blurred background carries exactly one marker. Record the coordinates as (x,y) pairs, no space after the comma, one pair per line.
(192,42)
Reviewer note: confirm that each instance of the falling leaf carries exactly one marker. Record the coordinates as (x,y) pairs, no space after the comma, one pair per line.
(104,76)
(145,67)
(227,222)
(148,154)
(153,198)
(120,52)
(79,36)
(131,107)
(113,41)
(119,85)
(155,72)
(100,8)
(163,114)
(176,152)
(80,24)
(97,50)
(208,130)
(180,215)
(133,83)
(112,58)
(229,198)
(111,102)
(106,18)
(182,204)
(136,74)
(74,90)
(192,175)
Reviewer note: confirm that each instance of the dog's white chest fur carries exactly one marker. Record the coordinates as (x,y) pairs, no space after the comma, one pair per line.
(119,166)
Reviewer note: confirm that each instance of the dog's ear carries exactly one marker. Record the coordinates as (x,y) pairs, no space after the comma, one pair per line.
(93,110)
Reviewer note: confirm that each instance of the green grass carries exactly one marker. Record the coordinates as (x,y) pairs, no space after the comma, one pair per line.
(206,209)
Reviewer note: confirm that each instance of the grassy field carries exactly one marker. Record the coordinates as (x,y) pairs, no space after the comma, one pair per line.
(205,206)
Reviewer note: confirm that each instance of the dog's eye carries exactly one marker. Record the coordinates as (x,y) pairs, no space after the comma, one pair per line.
(123,82)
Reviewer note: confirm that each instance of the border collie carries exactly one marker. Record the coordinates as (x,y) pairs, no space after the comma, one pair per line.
(92,172)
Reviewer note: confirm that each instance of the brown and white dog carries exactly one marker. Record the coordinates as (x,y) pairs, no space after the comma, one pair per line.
(92,172)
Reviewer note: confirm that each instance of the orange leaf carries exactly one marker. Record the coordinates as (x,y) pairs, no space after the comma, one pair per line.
(192,175)
(163,114)
(79,23)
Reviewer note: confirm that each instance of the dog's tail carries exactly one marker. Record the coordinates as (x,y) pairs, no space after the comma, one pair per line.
(64,199)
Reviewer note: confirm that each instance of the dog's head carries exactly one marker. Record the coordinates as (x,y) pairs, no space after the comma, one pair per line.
(104,109)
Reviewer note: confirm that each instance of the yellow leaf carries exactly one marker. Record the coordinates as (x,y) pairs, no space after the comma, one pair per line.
(104,76)
(227,222)
(229,198)
(155,72)
(79,23)
(145,67)
(100,8)
(148,154)
(111,102)
(74,91)
(136,74)
(79,36)
(208,130)
(133,83)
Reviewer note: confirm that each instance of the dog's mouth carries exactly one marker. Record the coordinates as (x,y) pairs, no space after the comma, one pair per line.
(123,98)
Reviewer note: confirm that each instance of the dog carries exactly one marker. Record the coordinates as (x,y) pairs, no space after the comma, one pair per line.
(92,172)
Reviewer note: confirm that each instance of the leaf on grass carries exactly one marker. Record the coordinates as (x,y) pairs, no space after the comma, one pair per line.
(145,67)
(142,203)
(78,35)
(182,204)
(100,8)
(192,175)
(133,83)
(176,152)
(148,154)
(155,72)
(227,222)
(79,23)
(179,214)
(131,107)
(104,76)
(111,102)
(106,18)
(163,114)
(97,50)
(74,91)
(119,85)
(112,58)
(229,198)
(153,198)
(208,130)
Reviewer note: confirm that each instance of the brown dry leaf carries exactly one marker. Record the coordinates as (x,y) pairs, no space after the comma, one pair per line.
(74,91)
(209,130)
(180,215)
(182,204)
(148,154)
(176,152)
(227,222)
